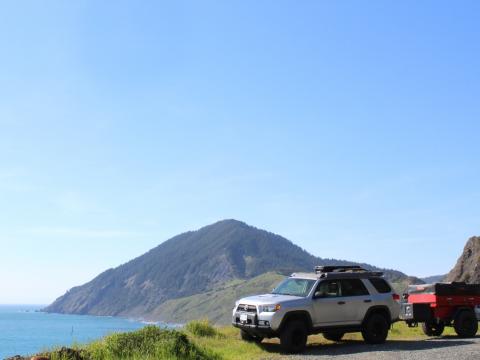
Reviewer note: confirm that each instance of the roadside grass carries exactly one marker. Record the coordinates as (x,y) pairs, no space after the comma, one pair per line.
(400,331)
(231,347)
(199,340)
(202,328)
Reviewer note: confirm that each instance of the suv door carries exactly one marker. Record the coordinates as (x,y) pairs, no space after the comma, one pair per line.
(328,304)
(357,300)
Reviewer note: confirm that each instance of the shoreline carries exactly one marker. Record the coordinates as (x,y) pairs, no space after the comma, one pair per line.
(25,331)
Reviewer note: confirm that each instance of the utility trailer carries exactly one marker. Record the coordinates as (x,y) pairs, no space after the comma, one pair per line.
(442,304)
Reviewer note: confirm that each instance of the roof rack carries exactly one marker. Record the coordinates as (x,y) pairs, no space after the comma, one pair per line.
(349,268)
(323,271)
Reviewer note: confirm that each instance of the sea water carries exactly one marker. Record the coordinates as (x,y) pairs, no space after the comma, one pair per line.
(25,331)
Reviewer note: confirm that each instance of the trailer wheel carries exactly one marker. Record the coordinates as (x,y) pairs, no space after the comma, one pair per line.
(466,323)
(432,328)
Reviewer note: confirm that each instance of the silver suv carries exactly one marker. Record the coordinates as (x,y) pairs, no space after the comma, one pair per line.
(334,300)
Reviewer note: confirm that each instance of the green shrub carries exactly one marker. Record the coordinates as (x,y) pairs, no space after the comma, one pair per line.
(151,342)
(202,328)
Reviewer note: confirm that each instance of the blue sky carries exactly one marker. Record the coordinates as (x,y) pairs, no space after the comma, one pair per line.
(350,128)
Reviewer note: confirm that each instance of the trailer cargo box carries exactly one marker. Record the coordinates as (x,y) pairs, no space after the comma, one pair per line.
(443,304)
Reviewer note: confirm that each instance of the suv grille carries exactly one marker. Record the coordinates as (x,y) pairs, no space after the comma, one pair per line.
(247,308)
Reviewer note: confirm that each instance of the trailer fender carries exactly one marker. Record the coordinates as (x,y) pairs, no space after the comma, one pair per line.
(460,309)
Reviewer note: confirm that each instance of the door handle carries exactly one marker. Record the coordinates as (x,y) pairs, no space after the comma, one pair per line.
(341,303)
(367,301)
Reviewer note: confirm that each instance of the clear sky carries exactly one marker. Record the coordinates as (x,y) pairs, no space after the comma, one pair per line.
(351,128)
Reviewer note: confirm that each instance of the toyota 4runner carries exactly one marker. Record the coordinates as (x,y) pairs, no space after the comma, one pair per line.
(333,301)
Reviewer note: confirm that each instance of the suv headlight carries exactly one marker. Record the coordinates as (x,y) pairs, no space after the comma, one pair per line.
(269,308)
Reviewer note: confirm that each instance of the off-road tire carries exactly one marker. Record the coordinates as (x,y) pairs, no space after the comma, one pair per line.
(333,335)
(431,328)
(375,329)
(466,324)
(245,336)
(293,337)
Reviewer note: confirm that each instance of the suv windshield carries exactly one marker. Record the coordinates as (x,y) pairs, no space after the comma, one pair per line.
(295,287)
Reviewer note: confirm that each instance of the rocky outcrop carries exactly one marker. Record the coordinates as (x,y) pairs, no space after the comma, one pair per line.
(468,265)
(63,353)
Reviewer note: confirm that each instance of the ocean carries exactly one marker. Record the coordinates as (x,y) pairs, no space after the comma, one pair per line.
(25,331)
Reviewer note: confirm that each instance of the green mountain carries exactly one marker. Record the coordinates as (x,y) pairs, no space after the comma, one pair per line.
(434,279)
(215,305)
(215,264)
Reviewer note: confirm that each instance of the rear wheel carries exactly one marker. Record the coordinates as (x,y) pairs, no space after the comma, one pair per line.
(293,337)
(432,328)
(249,337)
(466,324)
(375,329)
(333,335)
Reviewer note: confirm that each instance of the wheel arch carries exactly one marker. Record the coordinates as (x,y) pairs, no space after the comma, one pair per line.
(378,309)
(297,315)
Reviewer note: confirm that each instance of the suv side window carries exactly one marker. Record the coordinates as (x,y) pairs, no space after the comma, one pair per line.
(353,287)
(380,285)
(328,288)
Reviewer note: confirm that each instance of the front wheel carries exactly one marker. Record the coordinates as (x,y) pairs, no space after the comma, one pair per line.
(375,329)
(293,337)
(431,328)
(466,324)
(250,338)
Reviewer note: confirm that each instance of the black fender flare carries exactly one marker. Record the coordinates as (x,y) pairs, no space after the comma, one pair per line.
(378,309)
(297,315)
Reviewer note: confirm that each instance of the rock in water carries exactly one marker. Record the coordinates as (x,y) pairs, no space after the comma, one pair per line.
(468,265)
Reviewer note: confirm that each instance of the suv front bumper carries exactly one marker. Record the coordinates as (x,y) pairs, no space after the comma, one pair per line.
(253,324)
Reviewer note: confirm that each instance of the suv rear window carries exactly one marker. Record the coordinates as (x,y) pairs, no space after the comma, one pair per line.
(381,285)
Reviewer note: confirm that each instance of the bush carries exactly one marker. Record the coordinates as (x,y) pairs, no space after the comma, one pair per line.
(202,328)
(151,342)
(65,354)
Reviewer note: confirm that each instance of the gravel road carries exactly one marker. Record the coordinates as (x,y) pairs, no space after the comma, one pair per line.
(445,348)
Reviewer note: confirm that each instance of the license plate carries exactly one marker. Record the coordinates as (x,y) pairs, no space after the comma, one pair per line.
(243,317)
